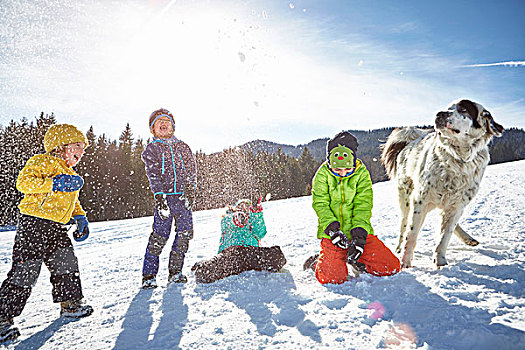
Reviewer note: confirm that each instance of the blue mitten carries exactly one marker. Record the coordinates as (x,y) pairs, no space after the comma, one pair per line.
(82,231)
(67,183)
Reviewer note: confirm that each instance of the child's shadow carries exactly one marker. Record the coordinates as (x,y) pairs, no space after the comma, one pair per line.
(37,340)
(138,321)
(255,291)
(174,319)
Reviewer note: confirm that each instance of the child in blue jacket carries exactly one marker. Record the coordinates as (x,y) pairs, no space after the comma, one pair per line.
(171,172)
(242,228)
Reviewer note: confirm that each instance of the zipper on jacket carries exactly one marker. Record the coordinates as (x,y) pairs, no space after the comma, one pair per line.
(71,203)
(174,170)
(254,236)
(343,194)
(182,161)
(342,201)
(44,200)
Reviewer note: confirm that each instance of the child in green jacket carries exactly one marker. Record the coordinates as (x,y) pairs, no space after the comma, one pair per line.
(342,199)
(242,228)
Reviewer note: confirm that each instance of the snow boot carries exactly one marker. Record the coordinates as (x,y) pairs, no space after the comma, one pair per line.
(149,281)
(177,277)
(357,268)
(7,330)
(75,309)
(309,264)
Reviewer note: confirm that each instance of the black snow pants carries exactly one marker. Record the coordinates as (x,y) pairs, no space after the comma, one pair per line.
(237,259)
(40,241)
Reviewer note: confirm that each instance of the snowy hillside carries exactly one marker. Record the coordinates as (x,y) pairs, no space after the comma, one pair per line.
(477,302)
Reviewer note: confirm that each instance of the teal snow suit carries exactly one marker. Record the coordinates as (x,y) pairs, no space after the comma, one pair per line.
(249,235)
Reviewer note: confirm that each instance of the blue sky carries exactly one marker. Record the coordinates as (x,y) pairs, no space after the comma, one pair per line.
(234,71)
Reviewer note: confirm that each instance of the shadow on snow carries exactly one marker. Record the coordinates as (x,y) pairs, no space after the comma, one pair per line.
(434,320)
(138,321)
(255,291)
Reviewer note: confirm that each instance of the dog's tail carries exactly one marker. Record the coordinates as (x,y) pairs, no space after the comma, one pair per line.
(396,142)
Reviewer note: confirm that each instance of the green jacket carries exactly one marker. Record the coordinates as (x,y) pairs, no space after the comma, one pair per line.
(348,200)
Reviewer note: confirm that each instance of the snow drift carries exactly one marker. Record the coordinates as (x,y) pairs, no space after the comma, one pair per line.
(476,302)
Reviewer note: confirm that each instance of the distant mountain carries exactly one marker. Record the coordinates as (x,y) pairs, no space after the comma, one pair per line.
(369,142)
(509,147)
(316,147)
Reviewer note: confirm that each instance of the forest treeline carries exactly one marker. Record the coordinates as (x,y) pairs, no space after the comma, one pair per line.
(116,186)
(115,182)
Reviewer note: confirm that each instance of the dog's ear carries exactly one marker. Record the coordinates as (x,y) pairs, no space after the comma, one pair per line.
(492,127)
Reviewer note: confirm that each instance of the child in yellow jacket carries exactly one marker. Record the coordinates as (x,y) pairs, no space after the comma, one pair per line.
(51,189)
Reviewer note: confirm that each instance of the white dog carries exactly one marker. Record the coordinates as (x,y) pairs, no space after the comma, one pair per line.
(439,169)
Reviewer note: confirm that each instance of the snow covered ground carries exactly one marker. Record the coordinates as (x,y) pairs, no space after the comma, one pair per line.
(476,302)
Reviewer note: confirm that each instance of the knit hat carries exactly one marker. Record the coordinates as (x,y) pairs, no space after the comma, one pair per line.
(241,212)
(163,112)
(341,150)
(62,134)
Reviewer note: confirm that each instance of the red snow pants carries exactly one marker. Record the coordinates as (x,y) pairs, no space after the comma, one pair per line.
(377,258)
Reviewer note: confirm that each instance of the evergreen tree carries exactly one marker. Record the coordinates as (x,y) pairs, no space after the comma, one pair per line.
(89,169)
(116,186)
(308,166)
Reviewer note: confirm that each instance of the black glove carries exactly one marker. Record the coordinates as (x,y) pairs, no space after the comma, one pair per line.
(162,206)
(357,245)
(188,196)
(338,238)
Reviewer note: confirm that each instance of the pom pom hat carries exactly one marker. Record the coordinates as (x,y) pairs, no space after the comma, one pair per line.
(241,212)
(341,150)
(163,112)
(62,134)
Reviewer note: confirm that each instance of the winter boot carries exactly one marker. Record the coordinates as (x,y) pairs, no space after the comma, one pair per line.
(7,330)
(310,262)
(149,281)
(357,268)
(177,277)
(75,309)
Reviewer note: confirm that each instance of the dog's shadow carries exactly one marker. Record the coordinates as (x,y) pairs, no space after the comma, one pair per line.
(432,319)
(254,291)
(508,279)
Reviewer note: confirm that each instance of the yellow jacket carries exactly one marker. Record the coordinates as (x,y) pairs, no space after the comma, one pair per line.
(35,181)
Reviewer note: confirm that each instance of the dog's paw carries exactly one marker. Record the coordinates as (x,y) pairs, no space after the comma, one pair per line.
(472,242)
(440,260)
(405,263)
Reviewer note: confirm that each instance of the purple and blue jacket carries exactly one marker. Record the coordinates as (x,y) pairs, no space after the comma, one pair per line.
(169,165)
